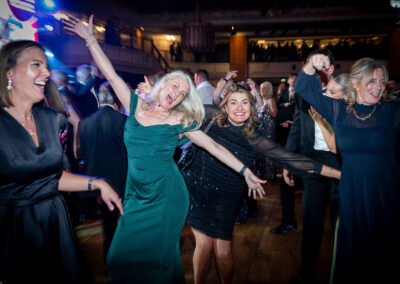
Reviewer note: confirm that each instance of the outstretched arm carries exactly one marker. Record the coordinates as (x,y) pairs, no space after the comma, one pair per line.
(294,162)
(221,153)
(76,26)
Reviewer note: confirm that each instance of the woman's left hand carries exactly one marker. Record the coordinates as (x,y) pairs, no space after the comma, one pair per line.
(109,196)
(77,26)
(254,183)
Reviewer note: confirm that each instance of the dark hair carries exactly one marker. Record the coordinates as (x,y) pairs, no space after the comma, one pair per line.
(292,74)
(202,73)
(221,119)
(324,51)
(9,55)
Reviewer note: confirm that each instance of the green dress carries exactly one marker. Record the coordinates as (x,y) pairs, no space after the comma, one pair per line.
(145,247)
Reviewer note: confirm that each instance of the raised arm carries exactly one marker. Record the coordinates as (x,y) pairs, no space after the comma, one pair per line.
(221,153)
(308,86)
(255,92)
(221,86)
(76,26)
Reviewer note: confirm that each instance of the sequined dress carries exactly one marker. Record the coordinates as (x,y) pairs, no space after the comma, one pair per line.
(265,167)
(215,189)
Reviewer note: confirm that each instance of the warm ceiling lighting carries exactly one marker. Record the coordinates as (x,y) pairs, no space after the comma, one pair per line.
(233,27)
(170,37)
(100,29)
(142,28)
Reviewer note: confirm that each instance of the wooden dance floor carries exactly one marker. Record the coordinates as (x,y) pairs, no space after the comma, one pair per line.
(260,256)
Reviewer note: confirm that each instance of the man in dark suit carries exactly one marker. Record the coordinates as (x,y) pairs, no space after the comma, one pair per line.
(100,144)
(284,119)
(306,137)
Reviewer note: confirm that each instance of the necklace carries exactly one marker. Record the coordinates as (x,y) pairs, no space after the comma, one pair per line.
(365,117)
(27,117)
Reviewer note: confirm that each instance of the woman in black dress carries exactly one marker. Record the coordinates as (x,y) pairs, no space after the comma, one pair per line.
(37,241)
(215,190)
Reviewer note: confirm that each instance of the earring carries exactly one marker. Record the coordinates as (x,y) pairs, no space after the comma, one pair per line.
(9,85)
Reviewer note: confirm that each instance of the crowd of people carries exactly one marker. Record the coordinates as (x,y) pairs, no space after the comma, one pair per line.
(333,135)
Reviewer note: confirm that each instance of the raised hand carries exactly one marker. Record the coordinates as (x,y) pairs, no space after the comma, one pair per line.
(231,75)
(145,87)
(254,183)
(77,26)
(314,114)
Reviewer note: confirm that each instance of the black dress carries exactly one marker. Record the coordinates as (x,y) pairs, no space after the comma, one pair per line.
(37,241)
(215,189)
(367,240)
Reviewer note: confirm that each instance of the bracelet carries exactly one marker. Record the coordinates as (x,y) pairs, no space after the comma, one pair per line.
(330,170)
(93,41)
(243,170)
(89,185)
(226,80)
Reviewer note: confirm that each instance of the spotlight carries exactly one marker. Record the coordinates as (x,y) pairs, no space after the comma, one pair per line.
(48,27)
(49,4)
(48,53)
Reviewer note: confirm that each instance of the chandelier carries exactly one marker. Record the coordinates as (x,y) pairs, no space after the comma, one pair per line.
(198,36)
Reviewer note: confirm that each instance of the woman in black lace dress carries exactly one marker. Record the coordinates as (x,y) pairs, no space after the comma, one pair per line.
(215,189)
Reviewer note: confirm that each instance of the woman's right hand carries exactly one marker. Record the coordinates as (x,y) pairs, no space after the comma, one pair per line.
(315,115)
(77,26)
(145,87)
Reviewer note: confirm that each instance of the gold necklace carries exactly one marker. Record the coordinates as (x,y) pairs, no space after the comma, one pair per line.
(365,117)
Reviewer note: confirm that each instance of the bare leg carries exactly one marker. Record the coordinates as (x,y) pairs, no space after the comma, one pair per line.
(224,260)
(201,256)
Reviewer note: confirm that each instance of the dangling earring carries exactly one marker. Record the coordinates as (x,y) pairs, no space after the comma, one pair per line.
(9,85)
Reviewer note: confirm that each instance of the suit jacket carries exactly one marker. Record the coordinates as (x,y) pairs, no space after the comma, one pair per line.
(285,113)
(302,134)
(83,99)
(100,143)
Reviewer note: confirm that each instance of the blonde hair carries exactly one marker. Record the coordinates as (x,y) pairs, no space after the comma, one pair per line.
(363,71)
(270,92)
(221,119)
(191,106)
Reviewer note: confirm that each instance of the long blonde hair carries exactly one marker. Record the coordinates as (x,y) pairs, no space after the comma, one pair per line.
(191,106)
(221,119)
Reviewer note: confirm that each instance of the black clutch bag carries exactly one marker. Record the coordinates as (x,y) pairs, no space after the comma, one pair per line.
(189,153)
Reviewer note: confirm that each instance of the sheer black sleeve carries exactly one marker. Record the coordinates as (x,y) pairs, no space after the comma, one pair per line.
(297,164)
(210,111)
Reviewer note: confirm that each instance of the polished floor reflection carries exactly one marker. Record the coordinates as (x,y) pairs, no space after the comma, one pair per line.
(260,256)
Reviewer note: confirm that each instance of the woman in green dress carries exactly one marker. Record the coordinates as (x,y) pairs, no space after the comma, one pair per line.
(145,247)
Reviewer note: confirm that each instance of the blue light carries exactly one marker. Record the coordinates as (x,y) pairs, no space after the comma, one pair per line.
(49,27)
(48,53)
(50,4)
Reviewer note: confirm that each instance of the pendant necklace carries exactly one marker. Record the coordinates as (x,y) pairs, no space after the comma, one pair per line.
(27,118)
(363,118)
